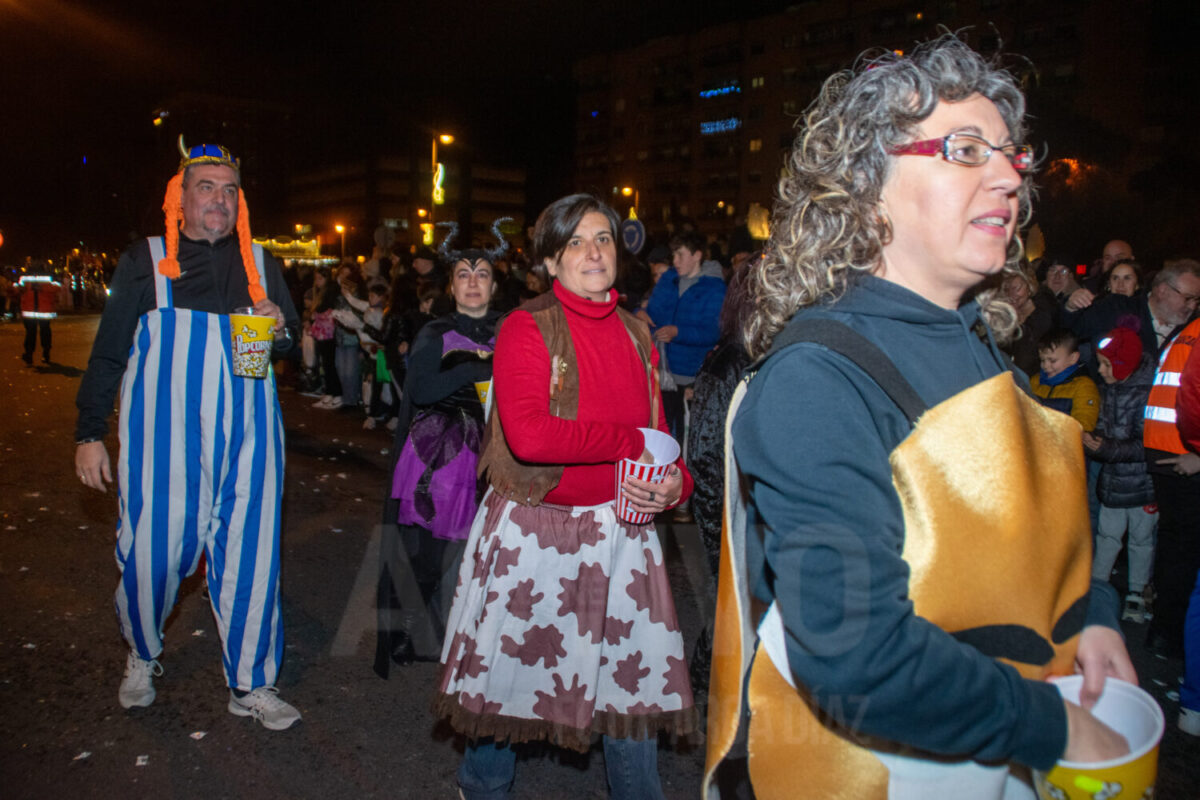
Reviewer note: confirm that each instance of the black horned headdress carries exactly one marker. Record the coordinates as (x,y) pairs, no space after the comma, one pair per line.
(450,256)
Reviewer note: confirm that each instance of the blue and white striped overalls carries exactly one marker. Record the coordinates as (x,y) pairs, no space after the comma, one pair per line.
(201,466)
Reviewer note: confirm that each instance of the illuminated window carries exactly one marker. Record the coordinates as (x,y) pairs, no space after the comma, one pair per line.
(757,82)
(755,145)
(789,107)
(643,155)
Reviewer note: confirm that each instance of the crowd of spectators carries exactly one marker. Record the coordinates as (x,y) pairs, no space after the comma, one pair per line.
(1089,343)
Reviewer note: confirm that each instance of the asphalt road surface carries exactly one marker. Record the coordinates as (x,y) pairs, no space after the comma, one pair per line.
(62,733)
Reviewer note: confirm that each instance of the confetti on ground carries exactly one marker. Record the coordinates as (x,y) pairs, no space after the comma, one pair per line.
(335,440)
(30,646)
(83,527)
(358,499)
(198,735)
(33,494)
(343,475)
(143,760)
(43,508)
(10,527)
(383,452)
(335,530)
(23,569)
(82,755)
(197,632)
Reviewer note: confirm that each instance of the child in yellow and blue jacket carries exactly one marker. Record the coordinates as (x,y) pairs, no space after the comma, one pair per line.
(1063,384)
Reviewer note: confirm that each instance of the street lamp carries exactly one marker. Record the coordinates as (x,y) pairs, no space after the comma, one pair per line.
(627,191)
(342,230)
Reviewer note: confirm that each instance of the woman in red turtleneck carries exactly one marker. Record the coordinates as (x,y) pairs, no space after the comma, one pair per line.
(563,625)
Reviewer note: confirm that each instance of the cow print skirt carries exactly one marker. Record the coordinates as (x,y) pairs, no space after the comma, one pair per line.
(563,627)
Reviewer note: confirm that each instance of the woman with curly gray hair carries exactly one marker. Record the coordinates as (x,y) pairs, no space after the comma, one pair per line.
(914,524)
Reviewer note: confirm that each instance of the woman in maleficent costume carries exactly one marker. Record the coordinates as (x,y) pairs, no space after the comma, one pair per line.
(433,495)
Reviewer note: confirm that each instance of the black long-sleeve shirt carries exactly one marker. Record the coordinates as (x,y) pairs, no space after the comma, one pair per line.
(212,278)
(432,377)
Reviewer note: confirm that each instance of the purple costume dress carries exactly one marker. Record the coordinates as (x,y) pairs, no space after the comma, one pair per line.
(434,483)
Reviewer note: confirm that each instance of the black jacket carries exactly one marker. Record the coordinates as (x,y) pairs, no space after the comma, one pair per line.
(712,392)
(1124,481)
(1094,322)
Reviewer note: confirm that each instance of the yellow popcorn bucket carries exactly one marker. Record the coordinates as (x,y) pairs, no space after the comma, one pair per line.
(253,337)
(482,388)
(1129,711)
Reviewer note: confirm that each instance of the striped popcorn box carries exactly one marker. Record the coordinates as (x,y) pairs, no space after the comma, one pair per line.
(665,451)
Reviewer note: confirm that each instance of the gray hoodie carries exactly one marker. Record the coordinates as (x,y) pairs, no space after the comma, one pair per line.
(813,436)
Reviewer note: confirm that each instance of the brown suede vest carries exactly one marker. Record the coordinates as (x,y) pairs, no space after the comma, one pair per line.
(529,483)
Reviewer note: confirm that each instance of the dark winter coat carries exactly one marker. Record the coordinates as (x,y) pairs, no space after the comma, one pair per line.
(1124,481)
(712,392)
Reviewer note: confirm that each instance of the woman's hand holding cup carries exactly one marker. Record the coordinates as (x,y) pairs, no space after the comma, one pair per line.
(653,498)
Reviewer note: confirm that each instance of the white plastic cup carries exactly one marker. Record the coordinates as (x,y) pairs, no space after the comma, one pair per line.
(665,452)
(1131,712)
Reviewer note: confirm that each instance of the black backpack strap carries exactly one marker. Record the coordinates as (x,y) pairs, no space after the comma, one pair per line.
(844,340)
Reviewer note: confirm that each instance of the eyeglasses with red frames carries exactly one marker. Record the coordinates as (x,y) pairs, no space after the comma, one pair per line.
(969,150)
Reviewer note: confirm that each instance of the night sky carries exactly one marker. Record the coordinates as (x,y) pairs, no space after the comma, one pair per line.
(82,79)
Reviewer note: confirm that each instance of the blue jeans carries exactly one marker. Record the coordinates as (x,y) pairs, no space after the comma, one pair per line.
(1189,693)
(349,370)
(487,769)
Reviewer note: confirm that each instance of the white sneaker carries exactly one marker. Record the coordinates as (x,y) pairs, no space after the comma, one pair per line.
(265,706)
(137,687)
(335,403)
(323,402)
(1189,721)
(1135,608)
